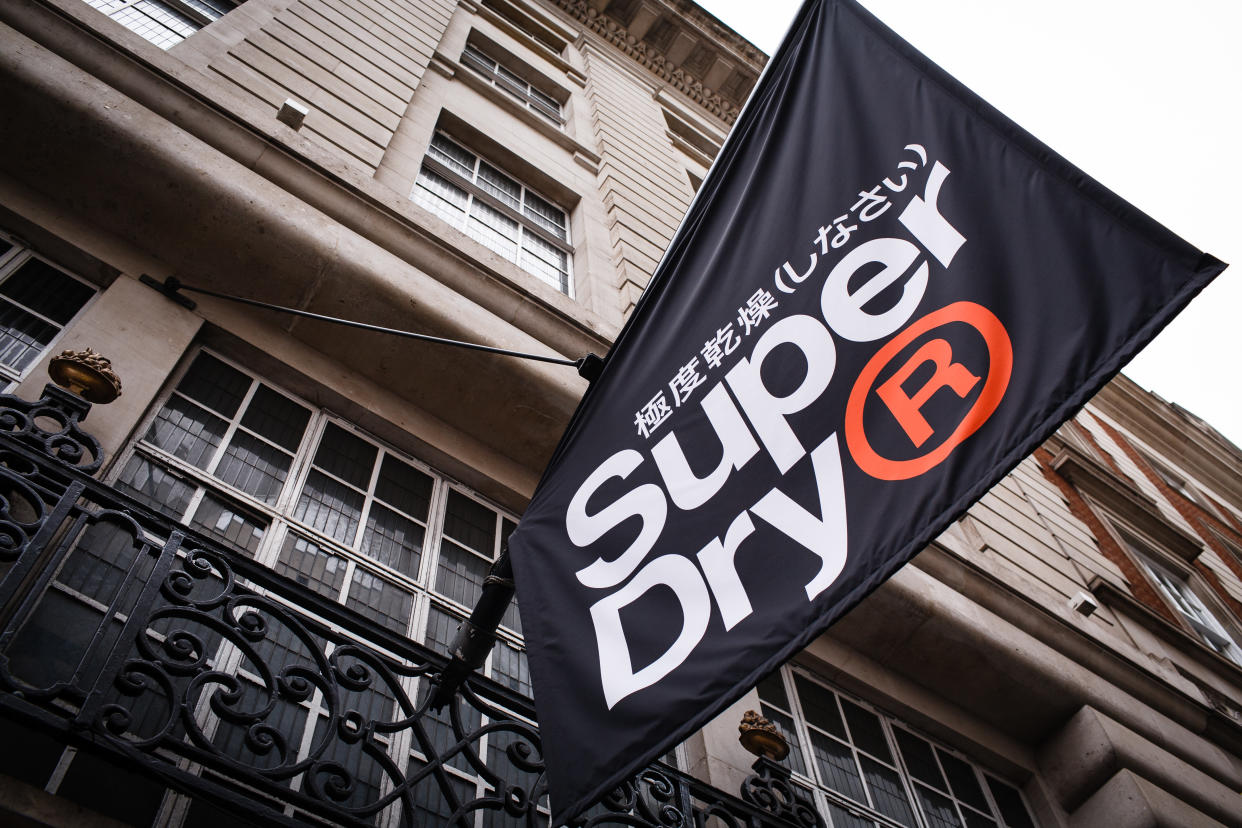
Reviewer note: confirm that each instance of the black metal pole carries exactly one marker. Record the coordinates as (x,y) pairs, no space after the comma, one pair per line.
(477,634)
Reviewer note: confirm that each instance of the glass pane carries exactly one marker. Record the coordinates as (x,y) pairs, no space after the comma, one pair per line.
(218,386)
(382,602)
(887,793)
(819,705)
(460,574)
(919,759)
(23,336)
(331,507)
(836,767)
(554,275)
(404,487)
(1009,801)
(276,417)
(346,456)
(977,820)
(457,158)
(866,730)
(46,290)
(254,466)
(499,185)
(962,780)
(312,566)
(476,59)
(393,540)
(938,810)
(772,691)
(470,523)
(216,516)
(187,431)
(155,486)
(545,214)
(436,194)
(509,667)
(493,229)
(441,629)
(842,818)
(5,247)
(785,724)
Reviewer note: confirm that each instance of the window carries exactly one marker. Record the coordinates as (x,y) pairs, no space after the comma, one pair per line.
(861,762)
(165,22)
(37,302)
(495,210)
(238,459)
(1181,485)
(512,83)
(1185,601)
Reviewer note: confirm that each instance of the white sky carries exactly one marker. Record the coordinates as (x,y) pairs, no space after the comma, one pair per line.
(1144,97)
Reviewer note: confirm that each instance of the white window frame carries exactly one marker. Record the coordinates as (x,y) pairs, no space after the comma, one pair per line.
(10,262)
(823,795)
(474,192)
(499,72)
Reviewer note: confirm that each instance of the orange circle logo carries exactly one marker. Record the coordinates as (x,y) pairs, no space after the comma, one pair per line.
(947,374)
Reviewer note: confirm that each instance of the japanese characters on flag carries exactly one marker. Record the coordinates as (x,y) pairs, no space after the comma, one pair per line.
(885,296)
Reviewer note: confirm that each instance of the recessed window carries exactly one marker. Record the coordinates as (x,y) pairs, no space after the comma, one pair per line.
(37,302)
(512,83)
(165,22)
(854,760)
(1179,594)
(495,209)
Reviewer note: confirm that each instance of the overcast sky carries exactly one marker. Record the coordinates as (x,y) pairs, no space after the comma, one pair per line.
(1144,97)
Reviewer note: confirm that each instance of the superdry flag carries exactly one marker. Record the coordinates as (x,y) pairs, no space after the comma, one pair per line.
(886,296)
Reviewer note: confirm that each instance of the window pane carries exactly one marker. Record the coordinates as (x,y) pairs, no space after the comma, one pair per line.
(254,466)
(470,523)
(497,184)
(23,336)
(836,767)
(772,691)
(493,229)
(820,706)
(404,487)
(785,724)
(938,810)
(312,566)
(545,214)
(919,759)
(962,781)
(345,456)
(215,516)
(382,602)
(1009,801)
(276,417)
(457,158)
(46,290)
(460,574)
(393,540)
(887,792)
(866,731)
(186,430)
(330,507)
(842,818)
(216,385)
(509,667)
(440,197)
(441,629)
(155,486)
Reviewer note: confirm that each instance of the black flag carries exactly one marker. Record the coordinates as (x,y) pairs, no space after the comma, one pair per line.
(885,297)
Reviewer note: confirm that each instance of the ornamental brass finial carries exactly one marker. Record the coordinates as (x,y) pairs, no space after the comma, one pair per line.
(760,737)
(86,374)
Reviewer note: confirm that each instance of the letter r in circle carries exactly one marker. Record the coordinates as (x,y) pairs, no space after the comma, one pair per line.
(906,408)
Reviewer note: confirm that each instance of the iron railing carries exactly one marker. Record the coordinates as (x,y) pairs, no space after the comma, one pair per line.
(127,635)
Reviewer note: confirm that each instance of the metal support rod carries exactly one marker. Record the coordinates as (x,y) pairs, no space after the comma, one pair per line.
(477,634)
(588,366)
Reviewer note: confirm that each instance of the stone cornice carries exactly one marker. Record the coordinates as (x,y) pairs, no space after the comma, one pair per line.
(659,63)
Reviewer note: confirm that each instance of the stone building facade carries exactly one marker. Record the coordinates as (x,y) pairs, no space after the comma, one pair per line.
(508,172)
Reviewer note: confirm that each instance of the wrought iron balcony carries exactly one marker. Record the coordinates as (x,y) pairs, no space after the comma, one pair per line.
(139,641)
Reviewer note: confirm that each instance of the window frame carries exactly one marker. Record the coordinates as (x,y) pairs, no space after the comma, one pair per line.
(191,11)
(12,261)
(1178,584)
(807,778)
(477,59)
(475,192)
